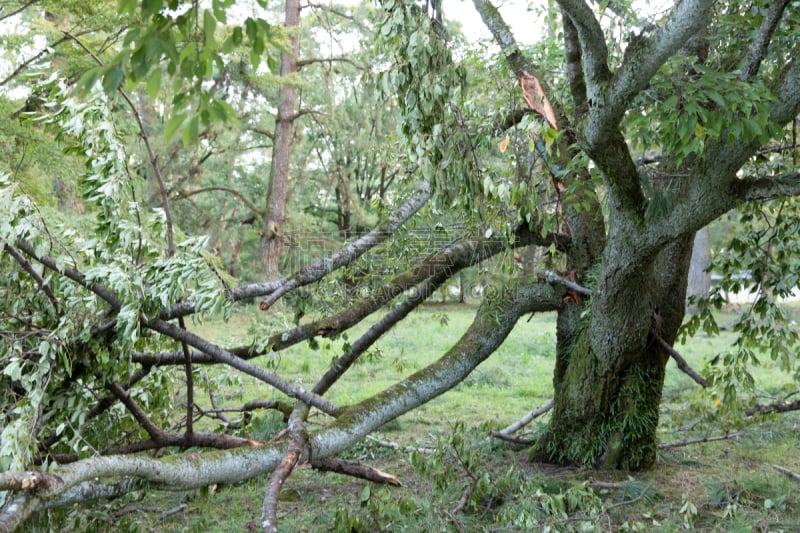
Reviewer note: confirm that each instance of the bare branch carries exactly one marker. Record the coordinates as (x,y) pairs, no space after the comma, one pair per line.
(297,443)
(682,364)
(224,356)
(349,468)
(22,8)
(760,45)
(688,442)
(250,205)
(594,51)
(553,277)
(527,419)
(790,473)
(341,59)
(779,407)
(356,248)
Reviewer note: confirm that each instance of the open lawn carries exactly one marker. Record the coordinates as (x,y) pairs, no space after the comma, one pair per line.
(729,485)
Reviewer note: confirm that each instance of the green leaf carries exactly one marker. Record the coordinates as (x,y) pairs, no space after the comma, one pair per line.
(191,132)
(173,124)
(209,26)
(154,83)
(126,6)
(112,79)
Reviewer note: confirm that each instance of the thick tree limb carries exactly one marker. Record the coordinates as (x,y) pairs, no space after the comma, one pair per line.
(763,189)
(594,51)
(760,45)
(778,407)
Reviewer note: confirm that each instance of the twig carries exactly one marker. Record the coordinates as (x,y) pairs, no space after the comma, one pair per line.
(396,446)
(629,502)
(465,496)
(682,364)
(687,442)
(173,511)
(790,473)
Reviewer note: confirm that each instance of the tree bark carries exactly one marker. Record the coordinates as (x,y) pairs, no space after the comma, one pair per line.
(274,221)
(699,279)
(610,373)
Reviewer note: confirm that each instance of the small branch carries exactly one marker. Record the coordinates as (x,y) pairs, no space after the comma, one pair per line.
(790,473)
(512,439)
(395,446)
(688,442)
(33,59)
(173,511)
(525,420)
(778,407)
(552,277)
(250,205)
(634,500)
(138,413)
(359,470)
(682,364)
(465,496)
(341,59)
(19,10)
(25,264)
(297,444)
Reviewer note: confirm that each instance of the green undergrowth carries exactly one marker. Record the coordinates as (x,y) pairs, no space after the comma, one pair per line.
(473,482)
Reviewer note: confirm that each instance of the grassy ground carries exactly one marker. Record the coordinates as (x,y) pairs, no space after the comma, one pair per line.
(721,486)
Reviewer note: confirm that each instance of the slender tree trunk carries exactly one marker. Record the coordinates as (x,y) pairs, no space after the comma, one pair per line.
(273,225)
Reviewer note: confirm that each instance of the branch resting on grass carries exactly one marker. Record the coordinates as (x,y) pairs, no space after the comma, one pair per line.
(688,442)
(493,322)
(790,473)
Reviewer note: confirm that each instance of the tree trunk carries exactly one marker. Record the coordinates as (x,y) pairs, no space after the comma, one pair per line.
(610,371)
(273,224)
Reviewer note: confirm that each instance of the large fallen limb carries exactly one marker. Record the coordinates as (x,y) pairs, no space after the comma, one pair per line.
(494,320)
(349,468)
(790,473)
(778,407)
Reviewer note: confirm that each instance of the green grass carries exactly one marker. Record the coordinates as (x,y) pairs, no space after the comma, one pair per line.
(730,483)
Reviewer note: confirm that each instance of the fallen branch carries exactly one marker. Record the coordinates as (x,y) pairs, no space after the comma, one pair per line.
(790,473)
(629,502)
(688,442)
(682,364)
(173,511)
(349,468)
(396,446)
(297,443)
(778,407)
(511,438)
(527,419)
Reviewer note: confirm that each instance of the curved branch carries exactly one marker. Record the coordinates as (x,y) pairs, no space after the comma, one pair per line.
(758,49)
(250,205)
(593,46)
